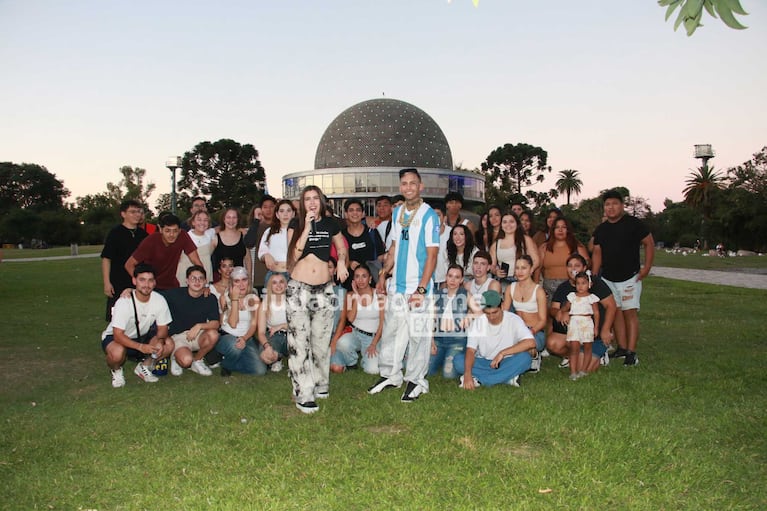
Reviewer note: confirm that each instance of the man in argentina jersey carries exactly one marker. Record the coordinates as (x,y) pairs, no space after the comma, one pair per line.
(409,316)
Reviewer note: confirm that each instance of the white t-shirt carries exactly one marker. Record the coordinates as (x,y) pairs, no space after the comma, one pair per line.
(277,246)
(489,340)
(155,310)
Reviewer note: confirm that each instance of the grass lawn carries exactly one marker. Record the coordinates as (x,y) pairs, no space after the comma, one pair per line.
(699,262)
(683,430)
(14,253)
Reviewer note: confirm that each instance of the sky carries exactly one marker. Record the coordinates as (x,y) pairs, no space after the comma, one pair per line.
(606,88)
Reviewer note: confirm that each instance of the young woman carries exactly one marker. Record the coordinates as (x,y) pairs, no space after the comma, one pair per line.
(230,240)
(221,286)
(554,254)
(203,236)
(529,303)
(239,322)
(273,323)
(480,236)
(311,298)
(273,250)
(511,244)
(526,222)
(452,306)
(461,250)
(363,311)
(492,230)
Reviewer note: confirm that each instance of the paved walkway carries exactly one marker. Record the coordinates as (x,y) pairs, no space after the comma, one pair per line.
(49,258)
(724,278)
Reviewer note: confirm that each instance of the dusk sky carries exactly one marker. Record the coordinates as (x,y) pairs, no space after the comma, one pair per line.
(607,88)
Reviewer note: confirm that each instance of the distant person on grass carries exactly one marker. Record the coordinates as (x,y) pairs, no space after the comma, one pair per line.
(616,259)
(139,329)
(162,250)
(120,243)
(196,320)
(497,348)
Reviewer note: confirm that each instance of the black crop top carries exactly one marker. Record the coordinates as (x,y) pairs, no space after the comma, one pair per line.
(321,238)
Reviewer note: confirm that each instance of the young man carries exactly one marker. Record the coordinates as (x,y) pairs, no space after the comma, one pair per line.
(409,316)
(365,245)
(120,243)
(162,250)
(482,281)
(198,204)
(453,206)
(497,347)
(253,239)
(139,329)
(382,221)
(616,255)
(194,329)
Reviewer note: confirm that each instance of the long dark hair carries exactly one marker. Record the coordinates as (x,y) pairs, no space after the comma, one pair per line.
(479,236)
(301,219)
(572,243)
(468,248)
(519,235)
(276,226)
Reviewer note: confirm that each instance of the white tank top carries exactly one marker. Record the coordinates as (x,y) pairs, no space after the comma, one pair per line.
(367,317)
(530,305)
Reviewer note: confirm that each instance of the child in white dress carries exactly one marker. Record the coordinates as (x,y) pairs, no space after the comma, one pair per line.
(581,330)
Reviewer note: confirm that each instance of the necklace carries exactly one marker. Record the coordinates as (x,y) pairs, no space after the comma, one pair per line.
(406,223)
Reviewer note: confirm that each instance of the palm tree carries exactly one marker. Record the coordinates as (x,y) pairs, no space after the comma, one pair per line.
(701,183)
(569,183)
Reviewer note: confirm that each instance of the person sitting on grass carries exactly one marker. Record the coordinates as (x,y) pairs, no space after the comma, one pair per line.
(363,312)
(139,329)
(497,348)
(273,323)
(194,329)
(449,339)
(239,322)
(582,330)
(556,341)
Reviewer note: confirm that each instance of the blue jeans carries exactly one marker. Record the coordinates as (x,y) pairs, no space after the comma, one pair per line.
(346,351)
(444,359)
(540,340)
(509,367)
(279,342)
(244,360)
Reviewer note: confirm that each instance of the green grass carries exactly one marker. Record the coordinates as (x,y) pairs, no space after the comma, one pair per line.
(699,262)
(684,430)
(15,253)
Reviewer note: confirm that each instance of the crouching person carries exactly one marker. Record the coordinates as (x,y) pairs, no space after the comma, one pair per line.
(497,347)
(194,329)
(139,329)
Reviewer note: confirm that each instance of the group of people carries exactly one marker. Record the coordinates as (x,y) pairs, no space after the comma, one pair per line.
(411,292)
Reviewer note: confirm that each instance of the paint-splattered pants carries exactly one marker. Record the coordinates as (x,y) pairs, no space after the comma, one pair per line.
(310,325)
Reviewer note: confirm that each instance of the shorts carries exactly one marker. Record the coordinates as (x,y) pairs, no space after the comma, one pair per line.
(130,352)
(181,341)
(627,293)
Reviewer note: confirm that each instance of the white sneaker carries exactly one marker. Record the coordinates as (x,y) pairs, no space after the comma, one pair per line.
(199,367)
(565,363)
(118,378)
(535,366)
(514,382)
(473,378)
(145,373)
(175,369)
(276,367)
(545,353)
(605,360)
(383,383)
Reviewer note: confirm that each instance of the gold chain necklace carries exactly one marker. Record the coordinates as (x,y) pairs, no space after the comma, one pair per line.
(406,223)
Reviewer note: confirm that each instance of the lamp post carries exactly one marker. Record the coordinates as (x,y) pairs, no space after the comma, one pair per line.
(173,163)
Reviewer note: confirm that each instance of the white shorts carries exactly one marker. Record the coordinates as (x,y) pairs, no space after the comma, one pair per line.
(627,293)
(181,341)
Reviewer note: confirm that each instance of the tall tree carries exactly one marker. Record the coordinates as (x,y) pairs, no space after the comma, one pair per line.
(132,186)
(569,182)
(751,175)
(701,184)
(30,186)
(511,168)
(691,12)
(226,171)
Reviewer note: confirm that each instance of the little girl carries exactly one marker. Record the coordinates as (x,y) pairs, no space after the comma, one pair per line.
(581,330)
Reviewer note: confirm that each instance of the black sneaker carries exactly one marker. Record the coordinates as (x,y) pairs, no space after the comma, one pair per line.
(620,353)
(225,372)
(412,391)
(213,358)
(382,384)
(631,359)
(308,407)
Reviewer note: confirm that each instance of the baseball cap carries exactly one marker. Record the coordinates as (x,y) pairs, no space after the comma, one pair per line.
(491,299)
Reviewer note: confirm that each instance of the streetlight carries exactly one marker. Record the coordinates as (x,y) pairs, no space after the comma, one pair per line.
(173,163)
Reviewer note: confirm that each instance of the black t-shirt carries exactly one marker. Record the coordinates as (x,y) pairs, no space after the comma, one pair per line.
(365,247)
(187,311)
(321,237)
(598,288)
(119,244)
(620,242)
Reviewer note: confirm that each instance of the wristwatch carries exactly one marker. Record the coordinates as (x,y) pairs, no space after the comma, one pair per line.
(420,290)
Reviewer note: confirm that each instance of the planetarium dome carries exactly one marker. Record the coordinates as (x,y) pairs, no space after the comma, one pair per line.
(363,149)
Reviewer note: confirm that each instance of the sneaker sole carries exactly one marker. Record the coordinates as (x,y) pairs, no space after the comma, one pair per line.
(378,389)
(307,409)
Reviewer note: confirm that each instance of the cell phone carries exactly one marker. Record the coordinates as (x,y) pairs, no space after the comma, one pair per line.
(505,267)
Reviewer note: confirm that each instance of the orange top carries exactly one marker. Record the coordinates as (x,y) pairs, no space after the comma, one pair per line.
(554,263)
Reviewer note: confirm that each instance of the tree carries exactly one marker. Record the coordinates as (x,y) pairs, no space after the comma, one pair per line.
(30,186)
(691,12)
(568,183)
(511,168)
(226,171)
(751,175)
(131,186)
(701,185)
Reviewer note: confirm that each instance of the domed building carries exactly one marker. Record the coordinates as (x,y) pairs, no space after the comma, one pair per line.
(363,149)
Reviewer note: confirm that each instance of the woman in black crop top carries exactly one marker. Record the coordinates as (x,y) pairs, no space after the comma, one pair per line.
(311,298)
(230,241)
